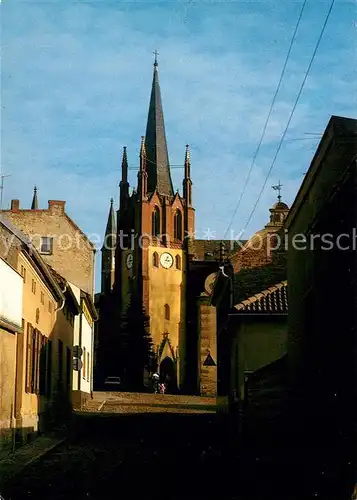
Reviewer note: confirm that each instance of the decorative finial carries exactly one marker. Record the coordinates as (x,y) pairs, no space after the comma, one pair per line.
(278,188)
(187,152)
(155,54)
(35,189)
(111,201)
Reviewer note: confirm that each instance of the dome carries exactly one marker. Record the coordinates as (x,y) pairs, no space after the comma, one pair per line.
(280,205)
(257,240)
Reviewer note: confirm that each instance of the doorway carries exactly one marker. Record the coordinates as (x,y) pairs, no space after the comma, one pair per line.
(168,374)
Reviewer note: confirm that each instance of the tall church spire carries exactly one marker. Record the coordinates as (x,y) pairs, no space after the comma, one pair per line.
(108,252)
(158,168)
(34,205)
(110,231)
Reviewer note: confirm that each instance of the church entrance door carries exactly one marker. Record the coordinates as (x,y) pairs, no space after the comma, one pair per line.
(168,374)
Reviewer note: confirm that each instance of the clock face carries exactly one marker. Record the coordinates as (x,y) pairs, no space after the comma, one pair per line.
(129,261)
(166,260)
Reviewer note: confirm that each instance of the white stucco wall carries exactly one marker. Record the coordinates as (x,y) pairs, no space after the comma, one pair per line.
(10,295)
(87,339)
(87,334)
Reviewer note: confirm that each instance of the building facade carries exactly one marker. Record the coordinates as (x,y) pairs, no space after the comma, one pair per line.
(58,239)
(10,327)
(42,363)
(322,276)
(83,348)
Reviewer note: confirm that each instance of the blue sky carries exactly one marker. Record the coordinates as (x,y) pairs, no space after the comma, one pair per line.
(76,80)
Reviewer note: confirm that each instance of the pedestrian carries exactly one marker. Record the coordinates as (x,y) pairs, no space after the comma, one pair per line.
(155,382)
(162,388)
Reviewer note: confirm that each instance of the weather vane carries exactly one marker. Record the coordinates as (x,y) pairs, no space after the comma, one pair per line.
(155,54)
(278,188)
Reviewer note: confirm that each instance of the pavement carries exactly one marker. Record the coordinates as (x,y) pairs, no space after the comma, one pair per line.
(13,465)
(163,446)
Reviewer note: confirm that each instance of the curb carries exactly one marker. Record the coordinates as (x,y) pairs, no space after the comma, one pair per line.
(15,468)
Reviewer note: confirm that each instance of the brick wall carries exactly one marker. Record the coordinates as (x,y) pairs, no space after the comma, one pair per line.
(72,254)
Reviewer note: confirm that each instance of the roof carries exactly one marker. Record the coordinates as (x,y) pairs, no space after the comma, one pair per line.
(67,290)
(90,304)
(209,249)
(340,130)
(250,281)
(43,268)
(279,205)
(157,158)
(272,300)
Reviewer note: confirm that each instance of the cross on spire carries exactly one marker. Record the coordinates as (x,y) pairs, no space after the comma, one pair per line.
(278,188)
(155,54)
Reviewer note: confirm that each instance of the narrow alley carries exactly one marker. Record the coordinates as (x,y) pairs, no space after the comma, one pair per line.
(147,446)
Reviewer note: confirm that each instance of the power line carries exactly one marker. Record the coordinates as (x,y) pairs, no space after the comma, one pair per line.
(291,114)
(268,118)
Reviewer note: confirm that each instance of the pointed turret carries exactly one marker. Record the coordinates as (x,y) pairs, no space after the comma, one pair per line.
(110,231)
(158,168)
(187,183)
(108,251)
(34,205)
(124,184)
(142,175)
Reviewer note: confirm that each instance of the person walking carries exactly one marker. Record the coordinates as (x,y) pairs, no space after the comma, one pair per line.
(155,382)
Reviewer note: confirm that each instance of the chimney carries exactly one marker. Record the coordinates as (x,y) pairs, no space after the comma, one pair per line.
(15,205)
(56,207)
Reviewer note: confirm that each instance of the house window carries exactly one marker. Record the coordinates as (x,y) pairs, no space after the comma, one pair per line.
(42,298)
(33,286)
(46,245)
(88,369)
(23,273)
(37,315)
(33,351)
(155,259)
(178,262)
(155,222)
(167,311)
(178,225)
(49,306)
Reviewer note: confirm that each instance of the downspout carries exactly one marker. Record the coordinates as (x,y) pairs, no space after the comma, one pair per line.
(92,335)
(80,344)
(64,299)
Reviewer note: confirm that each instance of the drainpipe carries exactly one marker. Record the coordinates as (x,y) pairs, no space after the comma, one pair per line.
(80,343)
(64,299)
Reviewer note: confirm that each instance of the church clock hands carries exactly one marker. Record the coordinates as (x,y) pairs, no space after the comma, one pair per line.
(129,260)
(166,260)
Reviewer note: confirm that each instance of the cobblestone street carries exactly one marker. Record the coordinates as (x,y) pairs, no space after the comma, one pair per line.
(146,446)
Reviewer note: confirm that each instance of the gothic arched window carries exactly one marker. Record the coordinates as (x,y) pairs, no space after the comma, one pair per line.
(178,262)
(155,222)
(155,259)
(178,225)
(167,311)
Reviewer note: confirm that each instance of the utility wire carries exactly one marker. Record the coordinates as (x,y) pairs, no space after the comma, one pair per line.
(291,114)
(268,118)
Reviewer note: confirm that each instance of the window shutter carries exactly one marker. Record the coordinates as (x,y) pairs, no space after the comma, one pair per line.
(33,360)
(28,357)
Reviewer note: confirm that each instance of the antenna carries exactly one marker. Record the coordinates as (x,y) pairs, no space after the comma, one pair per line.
(2,176)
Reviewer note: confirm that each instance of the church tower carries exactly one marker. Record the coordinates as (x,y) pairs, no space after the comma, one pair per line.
(108,252)
(152,255)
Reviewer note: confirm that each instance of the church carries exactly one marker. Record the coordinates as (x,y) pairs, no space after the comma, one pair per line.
(148,252)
